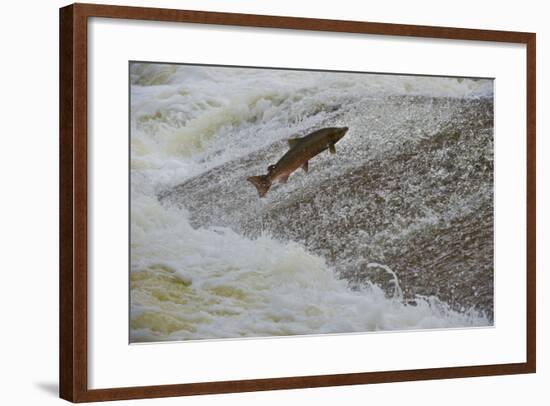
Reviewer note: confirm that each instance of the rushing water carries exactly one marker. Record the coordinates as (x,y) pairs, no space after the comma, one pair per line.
(393,232)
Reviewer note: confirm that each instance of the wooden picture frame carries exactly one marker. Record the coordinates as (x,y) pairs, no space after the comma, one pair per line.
(74,201)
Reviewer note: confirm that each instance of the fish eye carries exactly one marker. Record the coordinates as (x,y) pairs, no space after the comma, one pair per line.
(270,168)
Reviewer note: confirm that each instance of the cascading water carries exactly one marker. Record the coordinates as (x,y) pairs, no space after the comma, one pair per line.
(393,232)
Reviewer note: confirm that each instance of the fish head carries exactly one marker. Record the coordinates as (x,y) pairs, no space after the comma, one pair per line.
(339,133)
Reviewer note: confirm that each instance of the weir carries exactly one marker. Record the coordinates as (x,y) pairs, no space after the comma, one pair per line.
(409,190)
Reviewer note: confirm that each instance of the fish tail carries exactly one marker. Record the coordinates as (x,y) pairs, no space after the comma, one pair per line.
(262,183)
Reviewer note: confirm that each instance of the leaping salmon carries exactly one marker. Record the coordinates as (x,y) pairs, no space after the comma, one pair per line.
(300,152)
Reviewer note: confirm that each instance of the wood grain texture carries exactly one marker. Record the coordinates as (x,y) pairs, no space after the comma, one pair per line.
(73,200)
(66,131)
(205,388)
(299,23)
(73,203)
(531,203)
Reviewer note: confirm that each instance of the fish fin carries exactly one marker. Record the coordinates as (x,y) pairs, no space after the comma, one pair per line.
(283,179)
(332,148)
(292,142)
(305,166)
(262,183)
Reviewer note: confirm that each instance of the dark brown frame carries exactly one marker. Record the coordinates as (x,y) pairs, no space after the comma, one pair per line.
(73,362)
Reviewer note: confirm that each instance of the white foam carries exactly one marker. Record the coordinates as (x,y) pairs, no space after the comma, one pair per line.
(226,285)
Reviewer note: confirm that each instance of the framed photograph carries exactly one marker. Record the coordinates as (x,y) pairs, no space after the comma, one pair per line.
(255,202)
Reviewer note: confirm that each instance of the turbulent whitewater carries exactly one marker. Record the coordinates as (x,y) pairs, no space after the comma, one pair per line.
(393,232)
